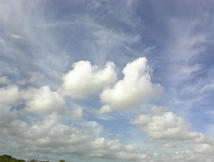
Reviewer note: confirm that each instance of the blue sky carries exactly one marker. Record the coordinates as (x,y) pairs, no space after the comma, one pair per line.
(104,80)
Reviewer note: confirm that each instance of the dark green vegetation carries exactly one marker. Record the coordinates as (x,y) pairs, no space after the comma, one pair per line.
(8,158)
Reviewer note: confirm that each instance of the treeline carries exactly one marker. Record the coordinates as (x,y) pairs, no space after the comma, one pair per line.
(8,158)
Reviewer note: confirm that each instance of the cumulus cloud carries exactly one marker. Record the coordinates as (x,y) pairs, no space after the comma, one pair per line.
(42,100)
(134,89)
(171,130)
(53,137)
(167,126)
(86,79)
(200,153)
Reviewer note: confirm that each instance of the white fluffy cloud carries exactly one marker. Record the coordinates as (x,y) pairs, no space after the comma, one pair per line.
(135,88)
(170,130)
(167,126)
(86,79)
(43,100)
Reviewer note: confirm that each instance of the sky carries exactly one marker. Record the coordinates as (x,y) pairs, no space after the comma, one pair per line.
(107,80)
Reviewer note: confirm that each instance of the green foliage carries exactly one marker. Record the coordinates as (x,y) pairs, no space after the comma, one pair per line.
(34,160)
(7,158)
(62,161)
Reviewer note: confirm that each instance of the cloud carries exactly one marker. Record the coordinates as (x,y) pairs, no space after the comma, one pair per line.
(186,50)
(34,79)
(43,100)
(167,126)
(77,112)
(53,137)
(105,109)
(204,148)
(170,130)
(86,79)
(134,89)
(200,153)
(9,95)
(6,116)
(109,38)
(28,47)
(4,80)
(186,46)
(49,134)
